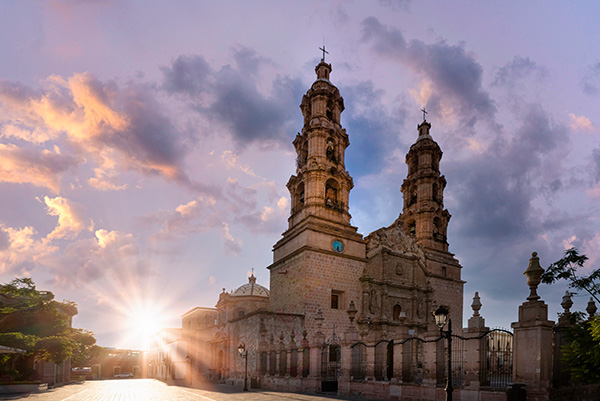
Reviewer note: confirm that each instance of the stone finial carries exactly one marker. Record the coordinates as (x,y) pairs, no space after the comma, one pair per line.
(476,305)
(293,335)
(534,272)
(591,308)
(352,311)
(566,303)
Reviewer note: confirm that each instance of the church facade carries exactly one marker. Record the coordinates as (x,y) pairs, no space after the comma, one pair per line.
(340,306)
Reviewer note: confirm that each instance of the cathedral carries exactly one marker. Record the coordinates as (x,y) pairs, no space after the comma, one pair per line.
(340,306)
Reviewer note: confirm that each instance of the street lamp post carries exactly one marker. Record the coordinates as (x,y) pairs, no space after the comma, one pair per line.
(244,354)
(441,317)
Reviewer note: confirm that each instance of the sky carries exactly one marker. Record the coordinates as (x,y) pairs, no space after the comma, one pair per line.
(145,145)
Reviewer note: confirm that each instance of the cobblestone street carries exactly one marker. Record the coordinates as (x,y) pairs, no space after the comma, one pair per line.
(153,390)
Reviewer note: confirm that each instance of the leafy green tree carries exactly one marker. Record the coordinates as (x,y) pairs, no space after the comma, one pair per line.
(33,321)
(567,269)
(582,354)
(56,349)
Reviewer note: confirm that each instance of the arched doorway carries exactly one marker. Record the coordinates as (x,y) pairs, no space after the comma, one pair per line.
(330,367)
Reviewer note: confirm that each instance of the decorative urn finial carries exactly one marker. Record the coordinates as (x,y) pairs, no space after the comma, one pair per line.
(534,272)
(352,311)
(591,308)
(566,303)
(476,305)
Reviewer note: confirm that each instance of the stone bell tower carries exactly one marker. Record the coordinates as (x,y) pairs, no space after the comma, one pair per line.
(320,258)
(322,185)
(426,220)
(423,191)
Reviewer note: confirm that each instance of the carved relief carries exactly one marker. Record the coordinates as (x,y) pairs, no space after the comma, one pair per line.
(395,238)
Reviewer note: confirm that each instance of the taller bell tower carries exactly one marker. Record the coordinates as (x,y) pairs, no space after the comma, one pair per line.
(322,185)
(320,258)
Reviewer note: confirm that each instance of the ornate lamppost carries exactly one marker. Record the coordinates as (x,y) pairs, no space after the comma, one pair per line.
(244,354)
(441,317)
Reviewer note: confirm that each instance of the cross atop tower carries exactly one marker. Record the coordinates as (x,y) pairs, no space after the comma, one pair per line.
(324,51)
(424,112)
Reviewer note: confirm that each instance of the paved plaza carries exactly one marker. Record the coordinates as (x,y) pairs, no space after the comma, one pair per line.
(154,390)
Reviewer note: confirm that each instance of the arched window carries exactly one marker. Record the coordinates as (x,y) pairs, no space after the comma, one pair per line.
(300,195)
(294,362)
(330,150)
(305,361)
(396,312)
(272,363)
(329,112)
(412,228)
(413,197)
(331,193)
(359,361)
(304,153)
(282,363)
(263,363)
(437,225)
(435,193)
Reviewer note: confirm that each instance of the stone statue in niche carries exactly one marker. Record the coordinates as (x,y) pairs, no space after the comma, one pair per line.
(374,302)
(399,269)
(420,309)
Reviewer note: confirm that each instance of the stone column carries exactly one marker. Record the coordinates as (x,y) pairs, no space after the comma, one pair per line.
(475,350)
(370,363)
(532,359)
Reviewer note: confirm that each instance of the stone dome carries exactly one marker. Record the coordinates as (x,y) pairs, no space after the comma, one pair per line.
(251,289)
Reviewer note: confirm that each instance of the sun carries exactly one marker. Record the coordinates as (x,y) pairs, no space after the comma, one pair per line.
(143,322)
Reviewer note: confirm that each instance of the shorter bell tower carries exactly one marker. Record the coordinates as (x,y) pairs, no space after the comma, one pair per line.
(426,220)
(423,191)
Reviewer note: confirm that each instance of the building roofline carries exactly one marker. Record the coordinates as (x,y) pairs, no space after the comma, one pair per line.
(198,309)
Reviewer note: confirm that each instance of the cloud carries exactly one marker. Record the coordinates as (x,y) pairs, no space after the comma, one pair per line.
(581,123)
(4,239)
(23,252)
(518,69)
(455,75)
(590,83)
(232,246)
(366,117)
(71,219)
(110,253)
(195,216)
(42,168)
(118,128)
(494,190)
(396,5)
(228,99)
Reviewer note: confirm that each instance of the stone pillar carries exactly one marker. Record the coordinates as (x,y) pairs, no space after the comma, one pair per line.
(430,366)
(345,367)
(370,363)
(532,359)
(475,350)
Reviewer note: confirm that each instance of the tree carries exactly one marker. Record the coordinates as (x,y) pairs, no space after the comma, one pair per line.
(566,269)
(582,354)
(33,321)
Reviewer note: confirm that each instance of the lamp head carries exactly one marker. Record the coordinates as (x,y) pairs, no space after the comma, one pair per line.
(241,348)
(441,316)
